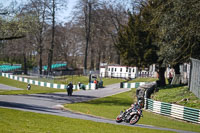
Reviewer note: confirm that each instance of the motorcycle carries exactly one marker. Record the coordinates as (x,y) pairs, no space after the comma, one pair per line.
(131,115)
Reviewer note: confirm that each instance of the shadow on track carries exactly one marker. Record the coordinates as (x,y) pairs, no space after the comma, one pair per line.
(26,107)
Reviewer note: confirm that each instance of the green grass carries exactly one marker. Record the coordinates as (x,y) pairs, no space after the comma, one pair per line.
(176,95)
(13,121)
(18,84)
(143,80)
(109,107)
(85,80)
(109,81)
(75,79)
(63,79)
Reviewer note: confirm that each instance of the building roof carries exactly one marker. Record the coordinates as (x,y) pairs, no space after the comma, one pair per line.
(115,65)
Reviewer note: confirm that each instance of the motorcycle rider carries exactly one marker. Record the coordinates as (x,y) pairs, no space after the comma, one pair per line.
(132,114)
(70,89)
(134,107)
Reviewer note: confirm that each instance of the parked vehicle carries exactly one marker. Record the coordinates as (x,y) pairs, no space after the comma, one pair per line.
(131,115)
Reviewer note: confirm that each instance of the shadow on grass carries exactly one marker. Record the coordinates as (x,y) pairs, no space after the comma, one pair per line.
(171,86)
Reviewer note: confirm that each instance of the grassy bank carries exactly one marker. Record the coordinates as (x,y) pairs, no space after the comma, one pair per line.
(13,121)
(18,84)
(177,95)
(110,107)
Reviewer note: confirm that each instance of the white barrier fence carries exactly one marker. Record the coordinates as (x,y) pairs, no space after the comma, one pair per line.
(173,110)
(132,85)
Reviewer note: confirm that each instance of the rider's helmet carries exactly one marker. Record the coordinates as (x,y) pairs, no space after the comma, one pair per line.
(140,103)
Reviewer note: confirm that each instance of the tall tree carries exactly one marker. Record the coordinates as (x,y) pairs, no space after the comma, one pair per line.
(87,13)
(174,18)
(11,26)
(38,9)
(116,15)
(50,55)
(54,4)
(135,42)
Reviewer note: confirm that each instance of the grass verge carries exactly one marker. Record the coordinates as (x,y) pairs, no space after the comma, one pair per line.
(177,95)
(62,79)
(109,81)
(13,121)
(109,107)
(34,89)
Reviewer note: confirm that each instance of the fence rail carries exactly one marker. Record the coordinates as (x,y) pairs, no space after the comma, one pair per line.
(173,110)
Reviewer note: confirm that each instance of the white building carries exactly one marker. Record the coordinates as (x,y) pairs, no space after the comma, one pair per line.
(116,71)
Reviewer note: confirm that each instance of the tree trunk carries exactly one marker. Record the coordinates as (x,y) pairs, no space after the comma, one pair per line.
(40,62)
(98,61)
(118,58)
(92,58)
(87,29)
(110,54)
(177,68)
(50,57)
(41,40)
(25,64)
(162,76)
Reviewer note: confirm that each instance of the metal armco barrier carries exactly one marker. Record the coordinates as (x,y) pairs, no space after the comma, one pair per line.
(90,86)
(173,110)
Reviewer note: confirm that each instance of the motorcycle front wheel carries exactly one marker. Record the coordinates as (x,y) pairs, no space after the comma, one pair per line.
(119,119)
(134,119)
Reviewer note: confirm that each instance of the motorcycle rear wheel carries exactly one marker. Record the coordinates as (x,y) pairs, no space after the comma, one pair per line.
(134,119)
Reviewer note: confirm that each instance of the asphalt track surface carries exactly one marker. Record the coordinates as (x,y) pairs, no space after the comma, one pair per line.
(6,87)
(51,104)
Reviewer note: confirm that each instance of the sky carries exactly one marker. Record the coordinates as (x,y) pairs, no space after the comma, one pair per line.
(62,16)
(65,14)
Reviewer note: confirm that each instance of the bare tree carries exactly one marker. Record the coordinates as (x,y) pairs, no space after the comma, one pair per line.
(68,46)
(53,6)
(102,20)
(38,9)
(84,16)
(117,16)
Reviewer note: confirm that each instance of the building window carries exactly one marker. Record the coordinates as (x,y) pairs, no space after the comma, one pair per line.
(112,69)
(133,69)
(108,69)
(129,69)
(115,69)
(120,69)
